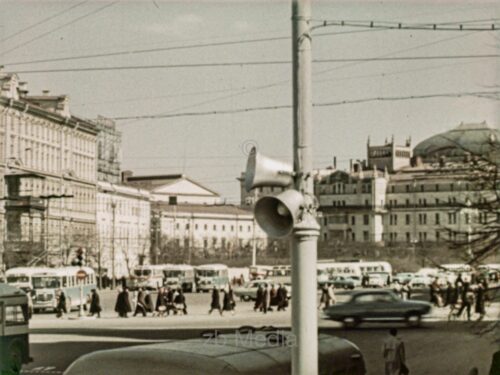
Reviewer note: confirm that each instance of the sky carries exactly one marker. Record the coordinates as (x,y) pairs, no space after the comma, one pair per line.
(212,148)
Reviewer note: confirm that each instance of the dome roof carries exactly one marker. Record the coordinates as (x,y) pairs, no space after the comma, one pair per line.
(476,139)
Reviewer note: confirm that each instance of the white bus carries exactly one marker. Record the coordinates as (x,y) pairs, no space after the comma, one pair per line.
(258,271)
(150,276)
(180,276)
(20,277)
(47,282)
(14,330)
(210,275)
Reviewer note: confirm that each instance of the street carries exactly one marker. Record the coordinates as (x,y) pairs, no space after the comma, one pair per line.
(438,347)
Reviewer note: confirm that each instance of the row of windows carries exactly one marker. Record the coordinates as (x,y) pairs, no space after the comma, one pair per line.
(429,187)
(214,227)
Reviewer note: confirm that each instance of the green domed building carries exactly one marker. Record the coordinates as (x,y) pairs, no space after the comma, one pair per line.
(455,144)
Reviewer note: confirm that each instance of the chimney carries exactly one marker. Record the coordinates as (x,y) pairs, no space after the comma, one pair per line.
(126,175)
(46,92)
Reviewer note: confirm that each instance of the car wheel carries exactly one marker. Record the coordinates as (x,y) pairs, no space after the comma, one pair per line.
(246,298)
(350,322)
(413,319)
(346,287)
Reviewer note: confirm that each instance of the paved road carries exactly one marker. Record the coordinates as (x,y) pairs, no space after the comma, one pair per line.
(437,348)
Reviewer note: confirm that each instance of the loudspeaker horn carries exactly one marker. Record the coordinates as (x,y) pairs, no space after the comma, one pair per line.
(277,215)
(264,171)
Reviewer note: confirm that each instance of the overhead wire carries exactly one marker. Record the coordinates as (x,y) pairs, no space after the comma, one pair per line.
(41,22)
(40,36)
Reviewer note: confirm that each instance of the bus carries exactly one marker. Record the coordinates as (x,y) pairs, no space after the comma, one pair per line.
(180,276)
(211,275)
(14,329)
(150,277)
(280,274)
(47,282)
(20,277)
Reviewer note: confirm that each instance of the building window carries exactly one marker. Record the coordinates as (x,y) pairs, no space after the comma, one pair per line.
(392,189)
(438,236)
(407,203)
(422,188)
(407,188)
(215,227)
(422,219)
(407,219)
(366,220)
(438,219)
(452,218)
(205,227)
(366,202)
(467,218)
(452,187)
(353,236)
(408,237)
(223,228)
(437,187)
(177,226)
(353,220)
(187,226)
(366,236)
(196,226)
(232,228)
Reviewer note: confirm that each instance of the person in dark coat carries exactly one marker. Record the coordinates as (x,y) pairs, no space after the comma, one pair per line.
(169,297)
(282,298)
(228,303)
(161,302)
(122,306)
(265,300)
(180,302)
(480,300)
(61,304)
(448,299)
(149,302)
(140,306)
(273,298)
(259,297)
(215,302)
(95,304)
(467,301)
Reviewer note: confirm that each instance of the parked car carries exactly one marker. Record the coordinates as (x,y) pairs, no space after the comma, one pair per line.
(245,352)
(376,280)
(381,305)
(248,291)
(403,277)
(342,282)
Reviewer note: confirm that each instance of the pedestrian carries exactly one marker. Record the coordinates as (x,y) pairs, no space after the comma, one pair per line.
(448,299)
(324,299)
(60,304)
(149,302)
(259,297)
(480,300)
(215,302)
(140,306)
(393,351)
(95,304)
(398,289)
(30,303)
(228,303)
(467,301)
(122,306)
(282,298)
(161,303)
(169,298)
(265,300)
(273,298)
(406,290)
(180,302)
(434,293)
(331,295)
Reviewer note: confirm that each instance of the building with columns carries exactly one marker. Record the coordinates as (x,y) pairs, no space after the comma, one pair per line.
(411,196)
(48,173)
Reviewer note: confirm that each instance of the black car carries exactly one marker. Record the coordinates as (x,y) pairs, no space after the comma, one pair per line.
(378,306)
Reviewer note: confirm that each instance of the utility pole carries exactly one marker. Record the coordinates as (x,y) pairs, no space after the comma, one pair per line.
(254,239)
(113,274)
(306,233)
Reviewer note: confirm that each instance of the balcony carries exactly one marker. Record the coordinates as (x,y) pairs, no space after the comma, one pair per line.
(25,203)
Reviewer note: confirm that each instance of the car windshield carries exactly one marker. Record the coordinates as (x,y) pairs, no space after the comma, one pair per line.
(46,282)
(207,273)
(172,273)
(374,297)
(142,272)
(18,279)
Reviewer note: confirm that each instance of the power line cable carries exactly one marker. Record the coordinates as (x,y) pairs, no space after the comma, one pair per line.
(480,94)
(43,21)
(256,63)
(173,48)
(95,11)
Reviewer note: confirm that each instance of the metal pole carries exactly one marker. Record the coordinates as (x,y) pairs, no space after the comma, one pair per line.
(306,233)
(113,274)
(80,311)
(254,239)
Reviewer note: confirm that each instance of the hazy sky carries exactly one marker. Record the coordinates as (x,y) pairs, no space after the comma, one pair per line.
(211,148)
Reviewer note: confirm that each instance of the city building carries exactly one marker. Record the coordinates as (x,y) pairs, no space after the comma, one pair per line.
(427,194)
(109,143)
(208,230)
(48,176)
(123,220)
(173,188)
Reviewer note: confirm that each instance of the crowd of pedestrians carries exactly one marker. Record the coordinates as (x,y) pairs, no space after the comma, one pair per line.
(268,299)
(461,296)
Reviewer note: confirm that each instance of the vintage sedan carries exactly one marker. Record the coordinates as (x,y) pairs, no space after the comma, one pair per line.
(248,291)
(378,306)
